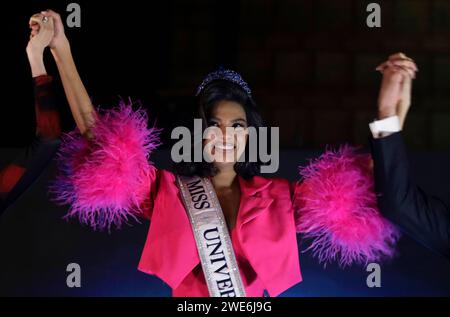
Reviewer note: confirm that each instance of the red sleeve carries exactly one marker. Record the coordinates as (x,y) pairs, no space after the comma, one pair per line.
(47,128)
(9,176)
(47,114)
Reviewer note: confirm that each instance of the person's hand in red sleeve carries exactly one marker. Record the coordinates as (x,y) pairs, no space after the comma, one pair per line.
(47,115)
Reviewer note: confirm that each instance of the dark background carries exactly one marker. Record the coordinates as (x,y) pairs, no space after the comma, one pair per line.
(310,63)
(311,67)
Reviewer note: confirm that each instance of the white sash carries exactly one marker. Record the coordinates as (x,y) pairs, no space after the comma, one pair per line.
(211,236)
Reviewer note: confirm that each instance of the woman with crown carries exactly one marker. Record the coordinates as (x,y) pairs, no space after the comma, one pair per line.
(217,227)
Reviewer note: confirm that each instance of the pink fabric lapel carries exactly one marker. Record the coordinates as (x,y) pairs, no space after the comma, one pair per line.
(265,228)
(170,251)
(253,200)
(266,231)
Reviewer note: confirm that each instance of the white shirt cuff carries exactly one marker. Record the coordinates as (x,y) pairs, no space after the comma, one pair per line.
(385,127)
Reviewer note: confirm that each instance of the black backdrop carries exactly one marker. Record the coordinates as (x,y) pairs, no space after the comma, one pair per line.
(123,49)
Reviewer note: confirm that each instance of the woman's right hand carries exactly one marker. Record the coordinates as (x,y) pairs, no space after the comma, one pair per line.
(59,40)
(79,101)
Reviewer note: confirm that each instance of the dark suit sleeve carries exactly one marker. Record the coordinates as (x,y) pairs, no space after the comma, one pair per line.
(422,216)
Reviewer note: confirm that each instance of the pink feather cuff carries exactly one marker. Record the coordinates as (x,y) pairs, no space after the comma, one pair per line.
(107,179)
(337,210)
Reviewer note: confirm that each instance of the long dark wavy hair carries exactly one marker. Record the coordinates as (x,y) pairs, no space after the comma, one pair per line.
(211,95)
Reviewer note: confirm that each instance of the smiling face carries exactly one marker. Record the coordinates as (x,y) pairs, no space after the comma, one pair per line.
(226,135)
(224,104)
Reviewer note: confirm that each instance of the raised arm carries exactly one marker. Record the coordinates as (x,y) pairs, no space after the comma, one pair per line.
(423,216)
(47,115)
(106,182)
(80,104)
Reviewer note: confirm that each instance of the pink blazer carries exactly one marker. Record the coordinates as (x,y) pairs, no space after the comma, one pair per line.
(265,226)
(110,179)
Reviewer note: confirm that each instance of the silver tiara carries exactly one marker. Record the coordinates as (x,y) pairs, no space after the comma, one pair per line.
(224,74)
